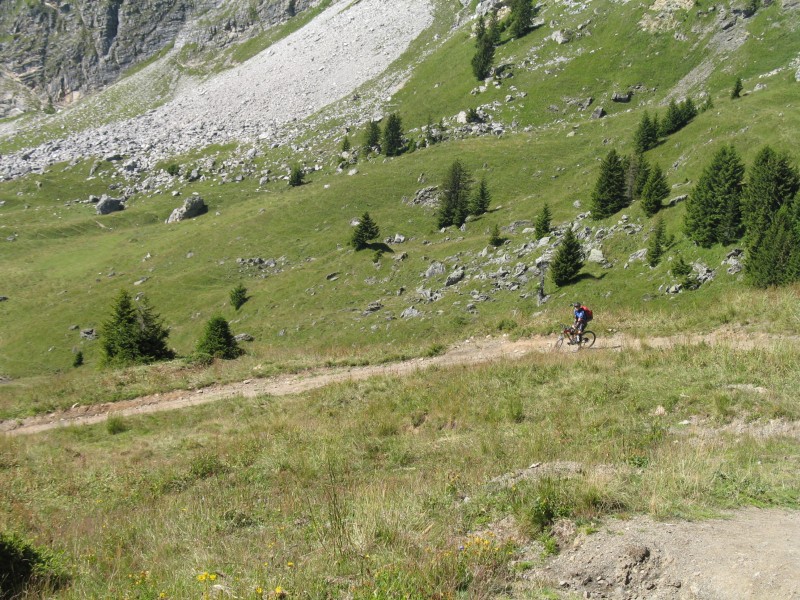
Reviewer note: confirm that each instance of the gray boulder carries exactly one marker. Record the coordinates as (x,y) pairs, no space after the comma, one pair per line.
(410,313)
(243,337)
(599,113)
(192,207)
(108,205)
(596,256)
(455,276)
(435,269)
(621,97)
(88,334)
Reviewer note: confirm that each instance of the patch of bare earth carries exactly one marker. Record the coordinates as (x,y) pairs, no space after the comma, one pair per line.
(752,554)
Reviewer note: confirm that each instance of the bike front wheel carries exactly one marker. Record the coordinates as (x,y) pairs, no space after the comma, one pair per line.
(559,342)
(588,339)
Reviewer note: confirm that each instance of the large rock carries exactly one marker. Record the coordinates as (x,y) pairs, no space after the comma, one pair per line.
(455,276)
(410,313)
(192,207)
(435,269)
(109,205)
(596,256)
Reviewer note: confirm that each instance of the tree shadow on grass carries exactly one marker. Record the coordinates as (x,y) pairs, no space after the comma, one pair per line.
(379,247)
(584,276)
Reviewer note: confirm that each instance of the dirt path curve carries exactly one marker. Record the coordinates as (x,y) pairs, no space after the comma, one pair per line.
(469,352)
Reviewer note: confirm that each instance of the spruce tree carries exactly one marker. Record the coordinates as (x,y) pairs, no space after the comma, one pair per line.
(672,120)
(133,334)
(646,136)
(609,194)
(217,340)
(238,296)
(484,54)
(568,260)
(687,111)
(366,231)
(481,199)
(393,136)
(521,15)
(642,175)
(372,137)
(495,239)
(657,242)
(736,92)
(542,223)
(773,261)
(346,144)
(655,191)
(454,207)
(712,209)
(772,182)
(297,176)
(493,29)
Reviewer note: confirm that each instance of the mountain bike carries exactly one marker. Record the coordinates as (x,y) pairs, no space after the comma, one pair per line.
(570,334)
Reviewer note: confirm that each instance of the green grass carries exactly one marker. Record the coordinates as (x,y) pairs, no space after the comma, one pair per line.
(359,487)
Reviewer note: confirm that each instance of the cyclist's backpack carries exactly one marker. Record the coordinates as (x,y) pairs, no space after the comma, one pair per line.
(588,312)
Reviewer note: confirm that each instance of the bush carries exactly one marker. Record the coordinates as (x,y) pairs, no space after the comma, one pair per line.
(238,296)
(297,177)
(78,360)
(24,567)
(173,169)
(495,239)
(217,340)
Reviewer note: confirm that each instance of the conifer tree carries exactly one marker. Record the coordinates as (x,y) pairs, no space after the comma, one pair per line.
(542,223)
(712,210)
(774,260)
(655,191)
(493,29)
(372,137)
(217,340)
(657,242)
(568,260)
(687,111)
(672,120)
(642,175)
(736,92)
(346,144)
(297,176)
(393,136)
(133,334)
(609,194)
(646,136)
(454,206)
(495,239)
(521,15)
(772,182)
(481,199)
(484,53)
(366,231)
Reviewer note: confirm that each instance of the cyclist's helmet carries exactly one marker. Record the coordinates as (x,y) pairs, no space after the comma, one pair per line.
(576,305)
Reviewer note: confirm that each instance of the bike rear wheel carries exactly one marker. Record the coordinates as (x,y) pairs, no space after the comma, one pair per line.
(559,342)
(588,339)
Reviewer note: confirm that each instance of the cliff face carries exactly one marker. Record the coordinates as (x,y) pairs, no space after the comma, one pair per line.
(63,49)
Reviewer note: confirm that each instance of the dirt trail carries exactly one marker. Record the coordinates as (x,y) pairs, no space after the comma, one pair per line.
(472,351)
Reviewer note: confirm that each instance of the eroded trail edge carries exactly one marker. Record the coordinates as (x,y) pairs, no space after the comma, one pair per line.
(469,352)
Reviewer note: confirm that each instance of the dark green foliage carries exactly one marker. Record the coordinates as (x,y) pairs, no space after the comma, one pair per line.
(25,568)
(641,176)
(678,116)
(568,260)
(687,111)
(297,176)
(495,239)
(116,425)
(173,169)
(521,15)
(774,260)
(346,144)
(372,137)
(646,136)
(454,206)
(772,182)
(481,199)
(365,231)
(133,334)
(542,223)
(238,296)
(217,340)
(681,268)
(736,92)
(494,29)
(393,136)
(291,9)
(655,191)
(712,209)
(637,169)
(657,243)
(609,194)
(78,360)
(484,53)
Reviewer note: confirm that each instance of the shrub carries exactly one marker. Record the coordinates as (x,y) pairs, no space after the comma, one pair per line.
(116,424)
(238,296)
(217,340)
(25,567)
(78,360)
(736,92)
(173,169)
(495,239)
(297,177)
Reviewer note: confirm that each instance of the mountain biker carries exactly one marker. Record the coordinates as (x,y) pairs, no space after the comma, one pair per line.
(581,318)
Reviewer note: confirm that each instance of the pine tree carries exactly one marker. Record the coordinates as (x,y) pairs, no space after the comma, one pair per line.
(494,29)
(672,120)
(372,137)
(133,334)
(772,181)
(646,136)
(774,260)
(393,136)
(217,340)
(297,176)
(480,29)
(238,296)
(712,209)
(542,223)
(736,92)
(484,56)
(642,175)
(687,111)
(454,207)
(481,199)
(568,260)
(521,15)
(495,239)
(657,242)
(346,144)
(655,191)
(365,231)
(609,194)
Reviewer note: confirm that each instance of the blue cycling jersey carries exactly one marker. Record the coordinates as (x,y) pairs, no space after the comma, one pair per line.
(580,314)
